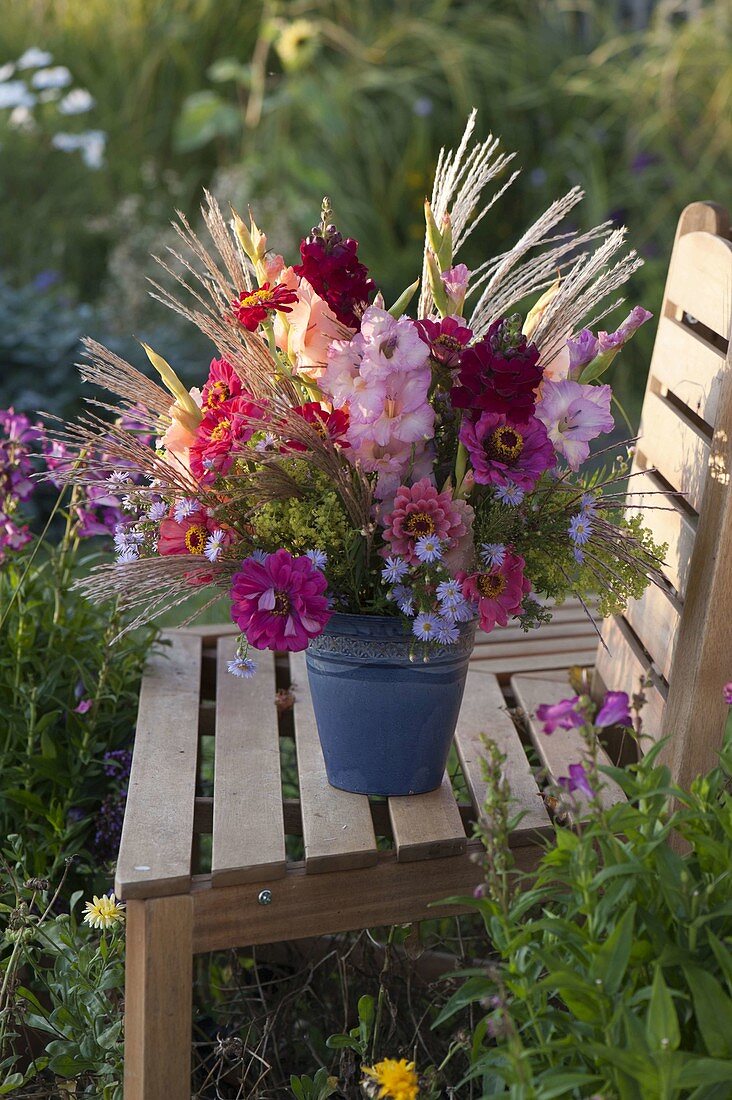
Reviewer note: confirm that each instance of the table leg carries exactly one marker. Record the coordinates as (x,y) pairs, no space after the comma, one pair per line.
(158,999)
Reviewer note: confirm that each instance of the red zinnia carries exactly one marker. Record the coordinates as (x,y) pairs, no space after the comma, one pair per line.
(332,424)
(499,374)
(219,433)
(252,307)
(222,384)
(447,339)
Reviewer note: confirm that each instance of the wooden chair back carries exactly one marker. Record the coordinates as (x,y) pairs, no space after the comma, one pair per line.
(678,639)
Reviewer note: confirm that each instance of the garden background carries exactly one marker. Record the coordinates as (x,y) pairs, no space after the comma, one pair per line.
(113,115)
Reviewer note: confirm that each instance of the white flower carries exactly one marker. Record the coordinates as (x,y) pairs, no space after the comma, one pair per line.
(425,627)
(21,118)
(157,510)
(92,148)
(76,102)
(214,545)
(184,508)
(33,58)
(50,95)
(6,71)
(58,77)
(14,93)
(129,554)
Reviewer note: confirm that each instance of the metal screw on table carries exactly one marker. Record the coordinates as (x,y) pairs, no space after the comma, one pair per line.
(265,897)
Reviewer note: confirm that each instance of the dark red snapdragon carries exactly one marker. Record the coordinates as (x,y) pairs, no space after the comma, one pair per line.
(499,373)
(330,264)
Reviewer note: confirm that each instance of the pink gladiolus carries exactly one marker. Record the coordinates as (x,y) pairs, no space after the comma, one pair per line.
(308,330)
(420,510)
(582,350)
(498,593)
(279,603)
(391,345)
(573,414)
(455,282)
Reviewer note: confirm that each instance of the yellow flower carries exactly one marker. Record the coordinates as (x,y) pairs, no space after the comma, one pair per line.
(104,912)
(398,1080)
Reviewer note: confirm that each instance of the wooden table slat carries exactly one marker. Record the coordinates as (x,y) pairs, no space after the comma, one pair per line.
(427,826)
(248,824)
(157,836)
(337,825)
(483,711)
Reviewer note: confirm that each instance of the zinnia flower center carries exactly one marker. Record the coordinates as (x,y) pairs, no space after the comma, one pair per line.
(282,603)
(256,298)
(490,585)
(221,430)
(504,443)
(419,524)
(449,342)
(196,538)
(217,394)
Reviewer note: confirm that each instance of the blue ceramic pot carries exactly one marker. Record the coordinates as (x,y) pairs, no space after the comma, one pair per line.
(386,717)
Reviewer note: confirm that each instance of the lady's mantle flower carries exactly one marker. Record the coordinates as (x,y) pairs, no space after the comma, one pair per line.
(498,593)
(428,549)
(615,710)
(397,1080)
(560,716)
(580,529)
(279,603)
(104,912)
(577,780)
(244,667)
(503,450)
(252,307)
(499,373)
(420,510)
(573,415)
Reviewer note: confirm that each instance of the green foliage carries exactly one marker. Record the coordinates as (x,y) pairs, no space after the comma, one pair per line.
(313,1088)
(55,650)
(61,985)
(613,968)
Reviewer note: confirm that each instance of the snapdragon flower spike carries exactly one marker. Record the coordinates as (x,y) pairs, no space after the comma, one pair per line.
(395,569)
(564,715)
(577,780)
(427,549)
(615,710)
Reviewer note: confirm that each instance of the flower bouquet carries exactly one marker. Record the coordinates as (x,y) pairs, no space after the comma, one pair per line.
(369,485)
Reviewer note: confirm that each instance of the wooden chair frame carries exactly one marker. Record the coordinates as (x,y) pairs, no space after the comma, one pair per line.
(369,863)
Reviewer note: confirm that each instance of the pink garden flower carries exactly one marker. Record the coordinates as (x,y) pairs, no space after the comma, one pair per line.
(342,380)
(498,593)
(420,510)
(333,424)
(573,414)
(219,433)
(577,780)
(279,603)
(309,328)
(391,345)
(560,716)
(446,339)
(187,535)
(396,408)
(395,463)
(615,710)
(502,450)
(222,384)
(455,282)
(727,691)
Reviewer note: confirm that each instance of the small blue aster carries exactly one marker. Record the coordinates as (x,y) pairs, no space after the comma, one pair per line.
(394,570)
(319,558)
(588,504)
(157,510)
(494,554)
(449,592)
(214,545)
(463,612)
(428,549)
(447,632)
(580,529)
(426,626)
(259,556)
(579,555)
(510,494)
(243,667)
(404,598)
(184,508)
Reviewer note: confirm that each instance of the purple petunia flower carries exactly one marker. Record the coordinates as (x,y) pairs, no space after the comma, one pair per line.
(727,691)
(563,715)
(615,710)
(577,780)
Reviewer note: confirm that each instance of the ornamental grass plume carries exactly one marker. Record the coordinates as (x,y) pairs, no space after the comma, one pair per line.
(329,422)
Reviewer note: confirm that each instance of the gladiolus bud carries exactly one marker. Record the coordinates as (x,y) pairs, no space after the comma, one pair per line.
(436,285)
(173,384)
(538,310)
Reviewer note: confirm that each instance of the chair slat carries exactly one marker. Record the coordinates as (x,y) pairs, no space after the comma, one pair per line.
(563,747)
(157,836)
(337,825)
(248,825)
(427,826)
(668,523)
(622,666)
(675,447)
(700,279)
(688,365)
(655,619)
(483,711)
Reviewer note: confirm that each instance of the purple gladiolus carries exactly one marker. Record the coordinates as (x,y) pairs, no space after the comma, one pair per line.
(727,690)
(563,716)
(637,317)
(615,710)
(582,350)
(577,780)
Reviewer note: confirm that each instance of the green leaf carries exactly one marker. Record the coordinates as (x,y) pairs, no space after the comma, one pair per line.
(662,1025)
(342,1042)
(296,1086)
(713,1009)
(612,958)
(598,366)
(704,1071)
(228,68)
(723,957)
(11,1083)
(204,117)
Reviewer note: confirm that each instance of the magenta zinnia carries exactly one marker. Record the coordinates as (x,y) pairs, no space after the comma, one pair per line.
(279,603)
(503,450)
(499,593)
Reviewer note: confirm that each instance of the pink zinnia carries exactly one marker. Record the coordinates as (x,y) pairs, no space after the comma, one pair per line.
(332,425)
(498,593)
(185,536)
(219,433)
(502,450)
(420,510)
(222,384)
(446,339)
(279,603)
